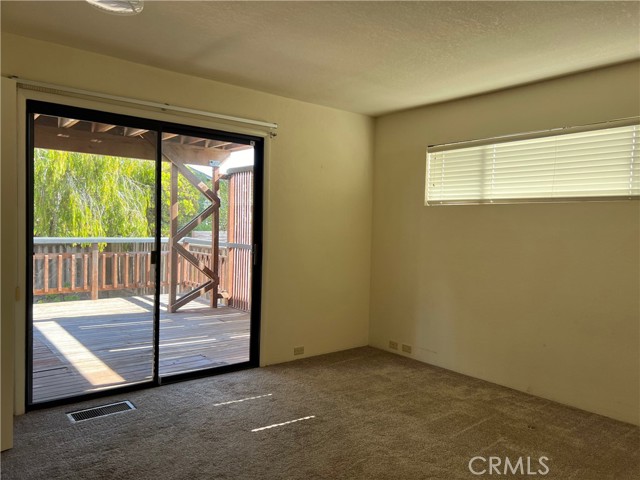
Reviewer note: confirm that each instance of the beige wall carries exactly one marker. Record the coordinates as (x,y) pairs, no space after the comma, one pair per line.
(9,263)
(318,196)
(543,298)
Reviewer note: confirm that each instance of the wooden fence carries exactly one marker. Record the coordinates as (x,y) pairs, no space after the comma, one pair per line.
(93,265)
(240,234)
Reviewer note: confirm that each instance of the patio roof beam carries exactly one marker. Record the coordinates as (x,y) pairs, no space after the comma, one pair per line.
(66,122)
(103,143)
(101,127)
(134,132)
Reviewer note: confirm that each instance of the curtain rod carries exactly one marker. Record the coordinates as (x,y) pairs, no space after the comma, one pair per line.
(162,106)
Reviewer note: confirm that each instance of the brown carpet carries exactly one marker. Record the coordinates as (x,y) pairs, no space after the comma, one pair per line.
(375,416)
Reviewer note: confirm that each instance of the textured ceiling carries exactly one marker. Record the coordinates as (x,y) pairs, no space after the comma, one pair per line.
(367,57)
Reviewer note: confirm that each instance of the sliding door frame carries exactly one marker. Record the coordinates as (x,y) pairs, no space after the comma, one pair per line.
(256,275)
(158,126)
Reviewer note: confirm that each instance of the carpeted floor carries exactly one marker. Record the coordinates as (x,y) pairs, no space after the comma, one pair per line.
(375,416)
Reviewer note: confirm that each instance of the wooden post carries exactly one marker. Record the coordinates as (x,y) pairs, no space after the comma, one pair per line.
(60,267)
(114,270)
(173,254)
(147,278)
(215,239)
(46,273)
(179,275)
(126,270)
(85,266)
(136,270)
(104,270)
(186,269)
(73,272)
(94,271)
(231,237)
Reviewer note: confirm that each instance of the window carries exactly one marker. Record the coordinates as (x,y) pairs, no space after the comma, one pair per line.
(598,162)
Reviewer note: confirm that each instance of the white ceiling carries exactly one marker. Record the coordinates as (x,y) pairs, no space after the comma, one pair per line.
(366,57)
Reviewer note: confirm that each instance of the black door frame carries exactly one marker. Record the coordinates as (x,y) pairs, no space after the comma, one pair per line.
(158,126)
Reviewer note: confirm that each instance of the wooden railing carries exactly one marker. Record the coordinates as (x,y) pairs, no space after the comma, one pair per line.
(83,272)
(93,265)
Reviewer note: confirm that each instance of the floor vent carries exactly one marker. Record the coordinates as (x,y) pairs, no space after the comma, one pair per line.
(101,411)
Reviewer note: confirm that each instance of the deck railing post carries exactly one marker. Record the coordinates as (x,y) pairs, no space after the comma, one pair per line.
(215,240)
(173,254)
(94,271)
(184,277)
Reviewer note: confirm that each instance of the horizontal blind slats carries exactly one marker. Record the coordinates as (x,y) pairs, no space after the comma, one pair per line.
(604,152)
(595,166)
(587,164)
(525,146)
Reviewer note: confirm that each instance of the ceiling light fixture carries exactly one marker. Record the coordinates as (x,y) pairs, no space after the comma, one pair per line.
(118,7)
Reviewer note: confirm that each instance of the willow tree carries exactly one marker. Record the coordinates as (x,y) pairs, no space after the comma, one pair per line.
(83,195)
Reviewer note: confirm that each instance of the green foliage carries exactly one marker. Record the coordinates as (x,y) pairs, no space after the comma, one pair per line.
(223,193)
(83,195)
(188,204)
(190,201)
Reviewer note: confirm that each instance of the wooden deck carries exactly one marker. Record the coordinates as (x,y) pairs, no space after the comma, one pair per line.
(91,345)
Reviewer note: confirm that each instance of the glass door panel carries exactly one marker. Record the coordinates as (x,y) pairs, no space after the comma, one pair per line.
(93,204)
(206,257)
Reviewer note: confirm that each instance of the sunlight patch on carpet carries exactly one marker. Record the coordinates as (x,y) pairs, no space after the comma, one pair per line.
(283,423)
(242,400)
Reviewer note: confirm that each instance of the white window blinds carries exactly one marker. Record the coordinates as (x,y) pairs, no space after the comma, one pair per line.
(595,164)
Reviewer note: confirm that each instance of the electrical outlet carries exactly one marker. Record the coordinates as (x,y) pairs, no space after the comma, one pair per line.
(393,345)
(298,350)
(406,348)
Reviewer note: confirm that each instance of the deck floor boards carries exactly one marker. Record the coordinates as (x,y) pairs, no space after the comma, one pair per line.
(86,346)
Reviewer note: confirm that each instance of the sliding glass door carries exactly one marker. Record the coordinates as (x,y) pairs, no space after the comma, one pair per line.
(142,248)
(93,282)
(205,316)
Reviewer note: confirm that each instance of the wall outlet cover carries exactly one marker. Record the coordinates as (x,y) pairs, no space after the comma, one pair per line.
(393,345)
(406,348)
(298,350)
